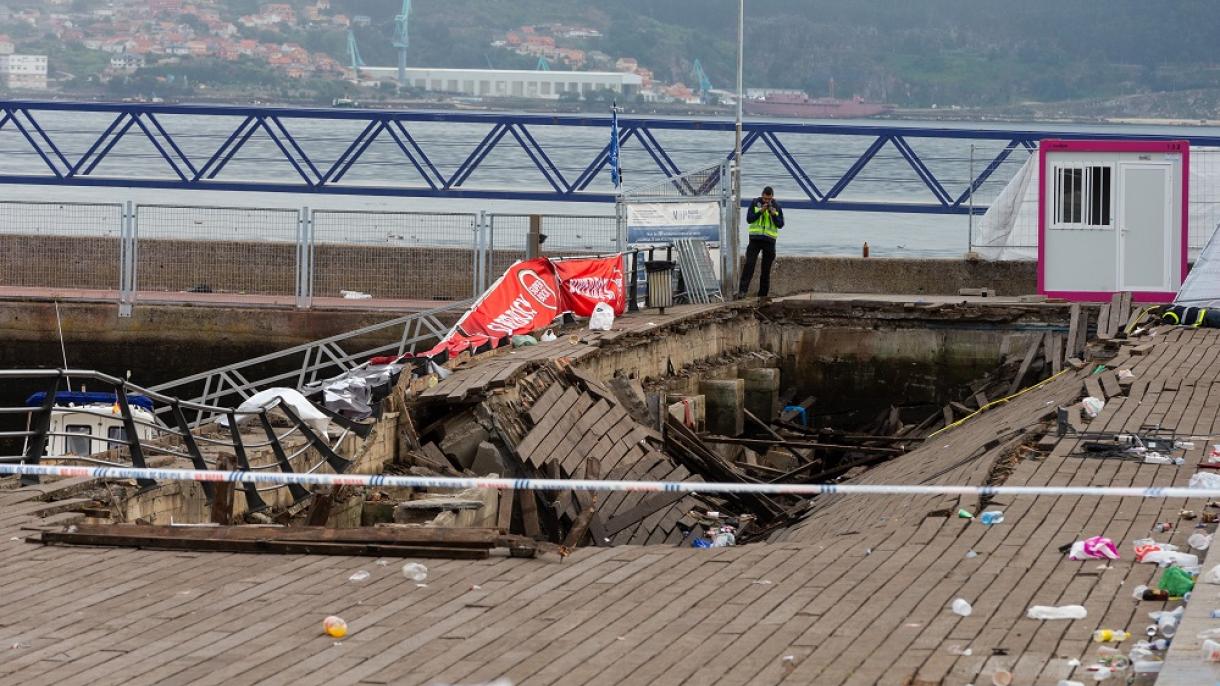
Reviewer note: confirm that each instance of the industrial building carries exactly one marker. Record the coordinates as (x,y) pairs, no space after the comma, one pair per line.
(509,83)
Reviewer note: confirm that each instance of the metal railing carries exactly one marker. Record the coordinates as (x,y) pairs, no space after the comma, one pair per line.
(162,253)
(303,365)
(873,168)
(174,436)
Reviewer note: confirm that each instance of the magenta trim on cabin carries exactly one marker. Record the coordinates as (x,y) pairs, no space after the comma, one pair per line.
(1058,145)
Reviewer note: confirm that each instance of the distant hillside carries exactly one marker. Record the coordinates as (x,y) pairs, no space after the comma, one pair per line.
(915,53)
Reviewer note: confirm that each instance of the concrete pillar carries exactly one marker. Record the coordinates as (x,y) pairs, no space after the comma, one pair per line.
(762,392)
(696,404)
(725,404)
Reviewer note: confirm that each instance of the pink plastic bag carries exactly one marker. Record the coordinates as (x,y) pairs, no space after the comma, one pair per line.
(1095,548)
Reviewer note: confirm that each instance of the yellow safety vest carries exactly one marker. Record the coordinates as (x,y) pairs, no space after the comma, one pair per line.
(764,225)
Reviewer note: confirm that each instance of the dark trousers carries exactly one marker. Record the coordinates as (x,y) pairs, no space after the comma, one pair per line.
(767,247)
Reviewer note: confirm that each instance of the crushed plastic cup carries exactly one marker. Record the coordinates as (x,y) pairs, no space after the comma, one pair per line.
(961,607)
(359,576)
(334,627)
(1210,651)
(1110,636)
(415,572)
(1093,406)
(993,517)
(1199,541)
(1061,612)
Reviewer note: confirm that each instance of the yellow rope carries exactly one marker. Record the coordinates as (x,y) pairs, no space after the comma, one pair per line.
(1001,401)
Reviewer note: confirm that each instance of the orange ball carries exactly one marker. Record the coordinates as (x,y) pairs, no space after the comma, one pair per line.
(334,627)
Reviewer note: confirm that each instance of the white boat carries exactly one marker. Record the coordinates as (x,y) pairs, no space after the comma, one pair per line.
(84,423)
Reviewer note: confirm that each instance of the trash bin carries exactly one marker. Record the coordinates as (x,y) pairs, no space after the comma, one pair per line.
(660,284)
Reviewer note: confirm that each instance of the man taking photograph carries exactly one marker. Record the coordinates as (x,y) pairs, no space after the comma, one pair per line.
(765,218)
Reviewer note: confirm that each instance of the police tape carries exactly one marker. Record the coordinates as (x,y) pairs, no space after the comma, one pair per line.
(463,483)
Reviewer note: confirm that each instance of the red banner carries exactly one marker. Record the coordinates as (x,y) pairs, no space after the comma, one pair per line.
(588,281)
(525,299)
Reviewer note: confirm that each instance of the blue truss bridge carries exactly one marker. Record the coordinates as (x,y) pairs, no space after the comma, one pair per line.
(530,157)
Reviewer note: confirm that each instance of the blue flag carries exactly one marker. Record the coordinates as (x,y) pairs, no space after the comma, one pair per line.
(615,176)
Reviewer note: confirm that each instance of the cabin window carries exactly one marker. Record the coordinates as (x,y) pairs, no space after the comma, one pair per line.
(117,436)
(78,444)
(1084,197)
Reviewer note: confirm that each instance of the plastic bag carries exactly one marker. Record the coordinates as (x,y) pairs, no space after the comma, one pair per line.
(602,318)
(1095,548)
(547,336)
(1093,406)
(1211,576)
(524,341)
(291,397)
(1176,581)
(1205,480)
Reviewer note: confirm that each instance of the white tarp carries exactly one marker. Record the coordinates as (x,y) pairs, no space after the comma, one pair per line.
(1202,285)
(304,409)
(1009,229)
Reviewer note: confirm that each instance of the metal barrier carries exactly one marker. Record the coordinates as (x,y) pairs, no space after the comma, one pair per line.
(61,245)
(302,365)
(217,250)
(281,256)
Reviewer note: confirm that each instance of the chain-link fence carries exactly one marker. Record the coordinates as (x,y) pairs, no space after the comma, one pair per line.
(398,255)
(273,255)
(565,234)
(60,245)
(233,250)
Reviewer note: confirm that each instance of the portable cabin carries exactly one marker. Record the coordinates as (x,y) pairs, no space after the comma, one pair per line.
(1112,217)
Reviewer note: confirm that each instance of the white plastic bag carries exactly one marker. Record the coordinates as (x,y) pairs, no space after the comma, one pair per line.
(1211,576)
(602,319)
(1093,406)
(1208,480)
(547,336)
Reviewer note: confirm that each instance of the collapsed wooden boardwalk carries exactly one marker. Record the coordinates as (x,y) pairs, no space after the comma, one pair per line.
(857,593)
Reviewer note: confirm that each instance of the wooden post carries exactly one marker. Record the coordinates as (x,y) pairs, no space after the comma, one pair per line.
(533,241)
(222,500)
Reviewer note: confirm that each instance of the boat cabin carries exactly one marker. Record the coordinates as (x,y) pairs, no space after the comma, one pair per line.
(85,423)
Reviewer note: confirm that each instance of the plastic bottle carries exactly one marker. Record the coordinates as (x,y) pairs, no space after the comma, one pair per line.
(415,572)
(1147,666)
(1062,612)
(1210,651)
(1110,636)
(1167,623)
(993,517)
(961,607)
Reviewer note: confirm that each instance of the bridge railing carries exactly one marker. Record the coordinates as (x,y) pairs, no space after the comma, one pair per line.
(879,167)
(160,253)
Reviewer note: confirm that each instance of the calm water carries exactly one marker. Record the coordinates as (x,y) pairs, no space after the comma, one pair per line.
(824,158)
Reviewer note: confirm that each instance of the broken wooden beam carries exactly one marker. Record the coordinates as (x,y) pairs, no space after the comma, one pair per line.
(799,444)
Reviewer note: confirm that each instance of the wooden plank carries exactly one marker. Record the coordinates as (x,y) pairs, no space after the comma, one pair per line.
(1109,384)
(504,516)
(791,415)
(1124,309)
(646,507)
(1054,352)
(1092,387)
(1116,315)
(398,535)
(222,497)
(1025,364)
(1073,330)
(237,545)
(529,514)
(1103,323)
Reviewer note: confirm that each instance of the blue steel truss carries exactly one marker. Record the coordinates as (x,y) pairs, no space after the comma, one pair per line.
(313,174)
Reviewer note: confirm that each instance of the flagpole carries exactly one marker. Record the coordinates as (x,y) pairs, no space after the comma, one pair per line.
(617,177)
(729,280)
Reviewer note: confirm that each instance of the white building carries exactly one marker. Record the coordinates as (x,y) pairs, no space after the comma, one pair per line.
(25,72)
(510,83)
(127,62)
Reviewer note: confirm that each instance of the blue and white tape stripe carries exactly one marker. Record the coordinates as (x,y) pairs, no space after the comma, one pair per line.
(461,483)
